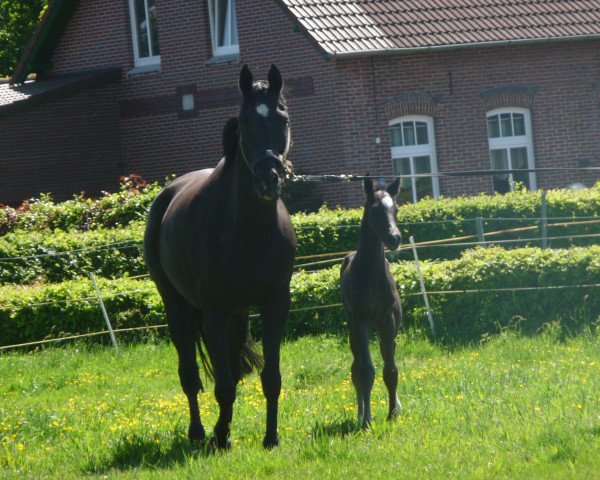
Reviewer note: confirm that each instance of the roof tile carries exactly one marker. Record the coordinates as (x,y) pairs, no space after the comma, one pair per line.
(356,26)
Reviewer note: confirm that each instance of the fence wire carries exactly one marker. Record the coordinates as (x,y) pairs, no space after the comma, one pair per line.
(448,242)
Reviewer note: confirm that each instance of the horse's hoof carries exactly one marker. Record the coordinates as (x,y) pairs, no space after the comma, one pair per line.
(196,434)
(271,443)
(220,445)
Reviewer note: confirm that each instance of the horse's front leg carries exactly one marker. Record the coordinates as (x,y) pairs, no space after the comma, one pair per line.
(274,316)
(214,330)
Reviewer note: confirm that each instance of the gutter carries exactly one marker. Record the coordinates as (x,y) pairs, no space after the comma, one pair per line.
(458,46)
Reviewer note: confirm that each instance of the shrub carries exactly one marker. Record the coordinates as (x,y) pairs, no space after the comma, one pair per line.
(27,257)
(325,231)
(36,312)
(114,210)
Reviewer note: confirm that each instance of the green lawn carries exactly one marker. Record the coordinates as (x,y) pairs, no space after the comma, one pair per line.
(513,407)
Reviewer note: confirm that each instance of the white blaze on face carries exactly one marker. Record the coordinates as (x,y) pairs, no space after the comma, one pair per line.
(387,202)
(262,110)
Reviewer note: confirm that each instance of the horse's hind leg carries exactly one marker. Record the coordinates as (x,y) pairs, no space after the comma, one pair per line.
(237,334)
(363,371)
(182,319)
(214,334)
(387,345)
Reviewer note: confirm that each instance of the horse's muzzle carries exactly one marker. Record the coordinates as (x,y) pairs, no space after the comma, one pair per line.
(393,241)
(267,177)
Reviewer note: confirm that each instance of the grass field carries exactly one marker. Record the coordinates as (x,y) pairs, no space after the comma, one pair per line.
(512,407)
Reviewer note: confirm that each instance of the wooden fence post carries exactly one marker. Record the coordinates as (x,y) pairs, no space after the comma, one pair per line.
(429,316)
(480,233)
(544,224)
(108,325)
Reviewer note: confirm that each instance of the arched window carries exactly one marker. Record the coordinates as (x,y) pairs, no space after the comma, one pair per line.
(413,152)
(511,147)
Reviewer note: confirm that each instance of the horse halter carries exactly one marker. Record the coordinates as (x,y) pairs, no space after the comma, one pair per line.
(281,159)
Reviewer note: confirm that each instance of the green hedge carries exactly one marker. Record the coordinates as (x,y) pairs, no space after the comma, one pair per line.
(322,232)
(27,257)
(114,210)
(337,230)
(464,317)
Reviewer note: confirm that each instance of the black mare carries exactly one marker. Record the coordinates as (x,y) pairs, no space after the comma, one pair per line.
(219,242)
(370,297)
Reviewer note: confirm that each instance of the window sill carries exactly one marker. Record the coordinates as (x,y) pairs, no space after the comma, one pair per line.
(219,59)
(144,69)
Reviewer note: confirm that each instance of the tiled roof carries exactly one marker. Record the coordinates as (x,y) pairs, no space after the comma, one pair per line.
(346,27)
(34,92)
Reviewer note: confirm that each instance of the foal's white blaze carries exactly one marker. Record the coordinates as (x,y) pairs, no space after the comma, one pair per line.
(387,202)
(262,110)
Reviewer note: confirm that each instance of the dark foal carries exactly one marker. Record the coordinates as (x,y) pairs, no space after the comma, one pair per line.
(219,242)
(370,297)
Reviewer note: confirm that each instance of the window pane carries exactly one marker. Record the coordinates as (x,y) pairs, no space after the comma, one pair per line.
(221,21)
(153,31)
(518,158)
(506,125)
(422,164)
(402,167)
(225,20)
(499,160)
(408,130)
(422,137)
(234,32)
(396,135)
(519,123)
(493,127)
(424,186)
(142,28)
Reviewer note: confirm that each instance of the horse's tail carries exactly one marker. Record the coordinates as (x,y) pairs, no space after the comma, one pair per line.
(251,359)
(204,359)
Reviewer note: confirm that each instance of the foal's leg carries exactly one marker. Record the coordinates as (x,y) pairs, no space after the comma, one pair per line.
(387,345)
(274,317)
(214,334)
(363,371)
(182,318)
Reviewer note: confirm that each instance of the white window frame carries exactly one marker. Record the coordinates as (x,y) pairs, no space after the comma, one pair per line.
(418,151)
(516,141)
(141,61)
(231,20)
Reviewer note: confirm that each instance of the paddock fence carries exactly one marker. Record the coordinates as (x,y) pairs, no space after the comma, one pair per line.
(541,226)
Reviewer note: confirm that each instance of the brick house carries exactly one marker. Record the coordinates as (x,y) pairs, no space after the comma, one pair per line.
(388,87)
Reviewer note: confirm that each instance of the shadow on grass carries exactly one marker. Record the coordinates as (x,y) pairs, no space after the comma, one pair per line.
(140,451)
(341,427)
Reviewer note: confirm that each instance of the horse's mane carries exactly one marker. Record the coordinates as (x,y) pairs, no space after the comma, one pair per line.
(230,139)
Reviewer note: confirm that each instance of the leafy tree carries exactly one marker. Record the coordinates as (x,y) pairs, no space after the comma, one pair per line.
(18,19)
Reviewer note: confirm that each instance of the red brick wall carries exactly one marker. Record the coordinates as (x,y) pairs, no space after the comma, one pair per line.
(334,129)
(565,112)
(64,146)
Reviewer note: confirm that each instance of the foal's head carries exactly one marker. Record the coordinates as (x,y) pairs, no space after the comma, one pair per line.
(264,132)
(381,210)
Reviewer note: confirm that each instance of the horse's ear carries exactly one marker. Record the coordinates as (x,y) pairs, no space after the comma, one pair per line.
(368,186)
(245,81)
(275,81)
(394,187)
(230,138)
